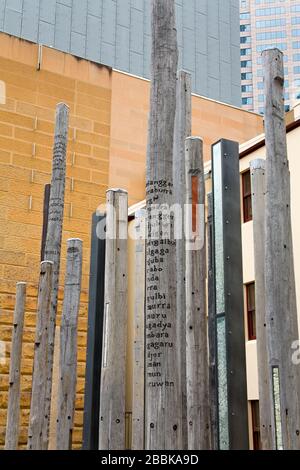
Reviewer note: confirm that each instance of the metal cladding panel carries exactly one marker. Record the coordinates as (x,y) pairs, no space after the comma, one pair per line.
(91,29)
(231,357)
(94,339)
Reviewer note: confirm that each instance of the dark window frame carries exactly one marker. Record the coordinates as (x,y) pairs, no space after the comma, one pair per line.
(255,425)
(251,312)
(247,198)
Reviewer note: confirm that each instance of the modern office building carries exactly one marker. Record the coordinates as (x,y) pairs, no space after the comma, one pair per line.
(117,33)
(267,24)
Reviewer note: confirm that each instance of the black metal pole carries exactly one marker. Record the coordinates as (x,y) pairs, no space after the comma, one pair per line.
(229,303)
(94,339)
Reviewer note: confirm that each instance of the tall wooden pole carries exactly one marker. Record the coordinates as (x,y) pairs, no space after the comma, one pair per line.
(183,129)
(113,374)
(39,379)
(68,346)
(53,240)
(266,403)
(138,394)
(280,298)
(13,409)
(196,323)
(163,417)
(212,329)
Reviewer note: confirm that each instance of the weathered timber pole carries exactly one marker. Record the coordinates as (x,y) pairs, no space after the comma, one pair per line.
(68,346)
(39,378)
(183,129)
(53,240)
(113,374)
(198,418)
(266,403)
(163,415)
(212,331)
(138,394)
(13,410)
(280,294)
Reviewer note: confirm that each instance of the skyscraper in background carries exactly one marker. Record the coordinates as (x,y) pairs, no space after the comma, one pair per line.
(117,33)
(267,24)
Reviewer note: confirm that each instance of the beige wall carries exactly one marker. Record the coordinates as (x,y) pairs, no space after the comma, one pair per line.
(247,238)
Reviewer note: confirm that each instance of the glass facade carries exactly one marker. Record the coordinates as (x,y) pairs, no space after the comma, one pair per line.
(266,24)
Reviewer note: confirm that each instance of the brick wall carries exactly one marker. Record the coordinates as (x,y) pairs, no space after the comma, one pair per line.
(26,137)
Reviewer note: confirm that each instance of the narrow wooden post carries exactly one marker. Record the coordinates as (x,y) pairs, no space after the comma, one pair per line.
(266,403)
(68,346)
(39,378)
(280,293)
(183,129)
(196,323)
(113,374)
(13,410)
(138,401)
(53,241)
(163,417)
(212,330)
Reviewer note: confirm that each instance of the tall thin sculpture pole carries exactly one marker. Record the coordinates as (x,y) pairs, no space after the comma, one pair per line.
(138,392)
(266,403)
(13,409)
(68,346)
(113,374)
(198,418)
(163,416)
(280,292)
(53,241)
(183,129)
(39,378)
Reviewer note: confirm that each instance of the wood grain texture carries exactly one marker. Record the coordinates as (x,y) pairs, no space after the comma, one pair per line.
(68,346)
(198,418)
(163,416)
(53,240)
(266,403)
(13,409)
(138,394)
(280,295)
(113,373)
(39,378)
(183,129)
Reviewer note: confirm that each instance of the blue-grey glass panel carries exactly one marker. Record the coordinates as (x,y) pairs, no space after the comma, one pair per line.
(222,384)
(218,221)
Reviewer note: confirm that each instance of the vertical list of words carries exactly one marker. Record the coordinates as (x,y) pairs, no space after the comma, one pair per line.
(160,322)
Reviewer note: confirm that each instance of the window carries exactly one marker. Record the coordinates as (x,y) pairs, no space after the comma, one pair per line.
(245,28)
(245,16)
(246,101)
(247,201)
(271,35)
(246,63)
(297,69)
(255,424)
(247,88)
(245,39)
(271,23)
(270,11)
(246,76)
(260,85)
(251,320)
(245,51)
